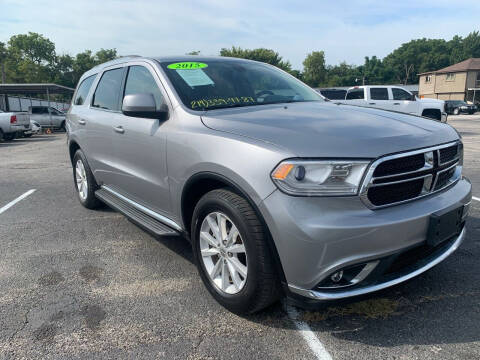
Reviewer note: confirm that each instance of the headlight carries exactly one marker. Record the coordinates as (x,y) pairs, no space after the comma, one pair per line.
(319,178)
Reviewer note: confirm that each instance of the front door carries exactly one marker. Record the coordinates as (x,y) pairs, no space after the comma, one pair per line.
(403,101)
(140,144)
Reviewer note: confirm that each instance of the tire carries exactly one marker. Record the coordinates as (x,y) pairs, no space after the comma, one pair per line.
(260,285)
(62,127)
(9,137)
(456,111)
(1,135)
(27,135)
(82,174)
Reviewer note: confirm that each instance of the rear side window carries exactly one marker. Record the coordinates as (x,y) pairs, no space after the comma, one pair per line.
(83,90)
(379,93)
(400,94)
(108,90)
(355,94)
(141,81)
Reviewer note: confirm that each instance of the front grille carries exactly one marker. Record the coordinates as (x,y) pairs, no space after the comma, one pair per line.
(400,165)
(383,195)
(448,154)
(403,177)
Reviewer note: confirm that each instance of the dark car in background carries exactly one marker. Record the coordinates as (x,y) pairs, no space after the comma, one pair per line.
(456,107)
(333,94)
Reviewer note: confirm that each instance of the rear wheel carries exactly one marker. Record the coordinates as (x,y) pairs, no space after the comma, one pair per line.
(62,126)
(231,252)
(9,137)
(85,183)
(27,135)
(456,111)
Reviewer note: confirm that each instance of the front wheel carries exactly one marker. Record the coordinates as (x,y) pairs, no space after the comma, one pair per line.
(456,111)
(231,252)
(85,183)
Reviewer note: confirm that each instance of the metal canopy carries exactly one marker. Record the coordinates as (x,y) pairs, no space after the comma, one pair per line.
(34,89)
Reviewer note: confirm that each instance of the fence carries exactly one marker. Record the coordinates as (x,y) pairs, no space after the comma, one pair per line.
(19,103)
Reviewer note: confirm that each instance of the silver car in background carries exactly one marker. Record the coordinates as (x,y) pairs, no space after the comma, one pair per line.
(47,117)
(279,192)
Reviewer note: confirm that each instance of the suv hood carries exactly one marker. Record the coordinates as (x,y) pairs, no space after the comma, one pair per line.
(318,129)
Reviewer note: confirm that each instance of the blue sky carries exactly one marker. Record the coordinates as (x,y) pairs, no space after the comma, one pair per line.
(345,30)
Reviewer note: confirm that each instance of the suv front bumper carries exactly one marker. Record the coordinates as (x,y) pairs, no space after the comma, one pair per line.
(315,237)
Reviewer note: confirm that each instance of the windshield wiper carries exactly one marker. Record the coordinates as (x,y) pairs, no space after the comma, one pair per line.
(206,108)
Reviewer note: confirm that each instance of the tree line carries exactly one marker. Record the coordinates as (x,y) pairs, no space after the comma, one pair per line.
(32,58)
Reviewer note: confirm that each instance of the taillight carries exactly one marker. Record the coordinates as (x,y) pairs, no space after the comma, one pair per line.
(13,119)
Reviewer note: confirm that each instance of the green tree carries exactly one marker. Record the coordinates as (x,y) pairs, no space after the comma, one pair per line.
(261,54)
(314,70)
(3,58)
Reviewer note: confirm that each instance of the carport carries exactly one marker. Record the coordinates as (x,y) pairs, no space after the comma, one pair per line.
(31,89)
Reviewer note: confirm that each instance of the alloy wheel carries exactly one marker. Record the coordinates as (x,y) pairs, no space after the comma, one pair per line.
(223,253)
(81,180)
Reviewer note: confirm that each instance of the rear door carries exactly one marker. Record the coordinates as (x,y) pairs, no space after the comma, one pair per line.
(100,121)
(40,114)
(141,145)
(403,101)
(379,98)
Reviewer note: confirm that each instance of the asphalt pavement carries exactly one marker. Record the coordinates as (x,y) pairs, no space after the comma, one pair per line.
(80,284)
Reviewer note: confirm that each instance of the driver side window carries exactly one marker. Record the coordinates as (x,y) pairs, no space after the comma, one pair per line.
(400,94)
(141,81)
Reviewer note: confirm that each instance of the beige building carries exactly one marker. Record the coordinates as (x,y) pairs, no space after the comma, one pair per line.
(456,82)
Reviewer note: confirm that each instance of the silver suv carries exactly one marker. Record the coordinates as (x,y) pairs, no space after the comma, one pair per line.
(278,191)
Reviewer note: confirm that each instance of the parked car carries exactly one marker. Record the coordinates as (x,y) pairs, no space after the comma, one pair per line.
(47,117)
(333,94)
(278,191)
(35,129)
(456,107)
(13,124)
(395,99)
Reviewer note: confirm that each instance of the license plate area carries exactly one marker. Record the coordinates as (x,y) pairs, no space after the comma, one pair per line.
(444,224)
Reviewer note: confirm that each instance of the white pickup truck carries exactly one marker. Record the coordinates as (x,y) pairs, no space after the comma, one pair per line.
(13,124)
(395,98)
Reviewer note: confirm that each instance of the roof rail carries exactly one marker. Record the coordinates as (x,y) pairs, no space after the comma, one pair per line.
(113,61)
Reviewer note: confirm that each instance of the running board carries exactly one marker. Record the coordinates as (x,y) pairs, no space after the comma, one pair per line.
(136,215)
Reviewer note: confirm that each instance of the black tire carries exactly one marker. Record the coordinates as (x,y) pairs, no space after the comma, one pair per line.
(62,127)
(27,135)
(262,286)
(456,111)
(1,135)
(9,137)
(90,202)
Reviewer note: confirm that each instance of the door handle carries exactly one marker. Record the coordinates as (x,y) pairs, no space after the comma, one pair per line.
(81,122)
(371,103)
(396,103)
(119,129)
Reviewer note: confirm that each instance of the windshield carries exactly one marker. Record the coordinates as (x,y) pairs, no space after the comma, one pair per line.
(225,83)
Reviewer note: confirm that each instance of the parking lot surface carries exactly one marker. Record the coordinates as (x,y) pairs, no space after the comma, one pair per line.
(80,284)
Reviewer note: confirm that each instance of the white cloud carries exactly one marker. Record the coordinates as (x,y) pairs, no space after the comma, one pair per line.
(345,30)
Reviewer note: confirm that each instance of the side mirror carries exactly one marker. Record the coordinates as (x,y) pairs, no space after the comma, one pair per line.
(143,106)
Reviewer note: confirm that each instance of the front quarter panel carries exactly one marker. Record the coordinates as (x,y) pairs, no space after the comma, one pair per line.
(194,149)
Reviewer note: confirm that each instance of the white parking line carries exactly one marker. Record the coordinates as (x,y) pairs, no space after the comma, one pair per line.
(475,198)
(21,197)
(308,335)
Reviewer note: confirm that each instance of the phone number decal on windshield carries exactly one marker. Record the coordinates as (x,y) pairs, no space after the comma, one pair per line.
(206,103)
(187,65)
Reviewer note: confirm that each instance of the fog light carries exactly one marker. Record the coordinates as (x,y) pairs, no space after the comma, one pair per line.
(336,277)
